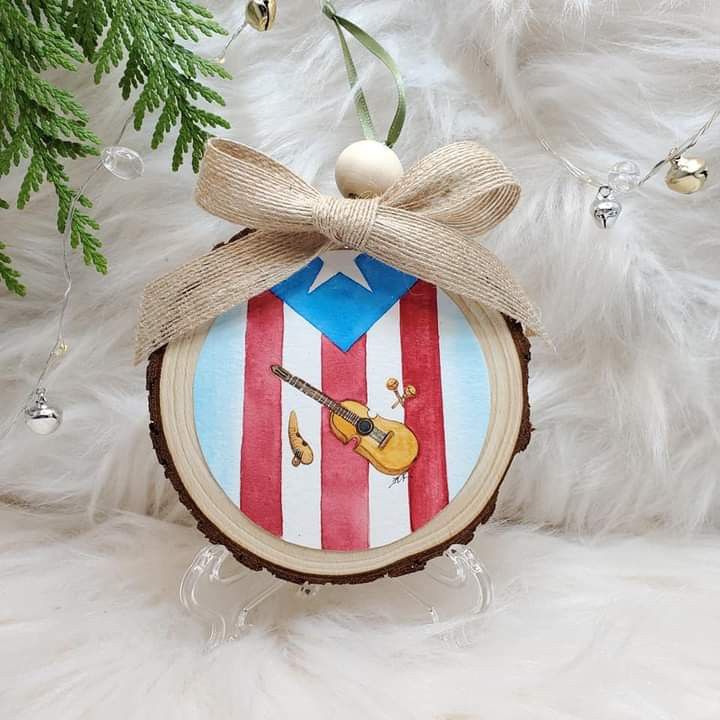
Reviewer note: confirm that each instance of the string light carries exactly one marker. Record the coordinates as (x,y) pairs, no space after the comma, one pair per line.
(40,416)
(684,175)
(122,162)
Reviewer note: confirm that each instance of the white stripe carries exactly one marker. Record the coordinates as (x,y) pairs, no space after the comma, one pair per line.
(218,395)
(389,503)
(301,485)
(466,393)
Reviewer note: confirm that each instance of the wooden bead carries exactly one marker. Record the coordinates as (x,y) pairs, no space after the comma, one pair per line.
(366,169)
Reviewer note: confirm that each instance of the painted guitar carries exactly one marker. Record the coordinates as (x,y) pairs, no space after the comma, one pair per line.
(388,445)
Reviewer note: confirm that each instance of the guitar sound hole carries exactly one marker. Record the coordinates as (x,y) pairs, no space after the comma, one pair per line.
(364,426)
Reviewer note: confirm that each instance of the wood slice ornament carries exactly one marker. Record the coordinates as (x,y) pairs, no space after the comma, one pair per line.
(230,431)
(350,422)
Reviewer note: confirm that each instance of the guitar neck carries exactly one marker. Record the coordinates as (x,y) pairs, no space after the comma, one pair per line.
(312,392)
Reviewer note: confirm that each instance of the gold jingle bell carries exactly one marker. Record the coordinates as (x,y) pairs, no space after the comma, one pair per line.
(686,175)
(260,14)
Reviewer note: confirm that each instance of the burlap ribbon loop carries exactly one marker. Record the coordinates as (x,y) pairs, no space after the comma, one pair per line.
(426,224)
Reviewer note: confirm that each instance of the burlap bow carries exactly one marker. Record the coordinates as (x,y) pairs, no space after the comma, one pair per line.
(425,224)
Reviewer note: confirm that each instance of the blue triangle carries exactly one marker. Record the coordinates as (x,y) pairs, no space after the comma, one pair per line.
(340,308)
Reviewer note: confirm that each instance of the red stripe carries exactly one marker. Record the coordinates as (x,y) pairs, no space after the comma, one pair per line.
(344,474)
(261,451)
(419,338)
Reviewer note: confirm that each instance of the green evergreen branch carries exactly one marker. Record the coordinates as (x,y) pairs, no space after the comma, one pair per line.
(7,273)
(146,33)
(39,122)
(43,125)
(85,21)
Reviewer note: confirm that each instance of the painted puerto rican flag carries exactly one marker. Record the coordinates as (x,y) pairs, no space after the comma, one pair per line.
(345,324)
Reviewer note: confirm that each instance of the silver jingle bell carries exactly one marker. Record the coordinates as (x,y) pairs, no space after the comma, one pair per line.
(40,417)
(260,14)
(686,175)
(605,208)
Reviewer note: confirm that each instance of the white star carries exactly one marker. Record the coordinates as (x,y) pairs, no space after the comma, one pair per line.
(339,262)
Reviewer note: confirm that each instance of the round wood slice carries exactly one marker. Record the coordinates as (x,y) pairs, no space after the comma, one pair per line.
(340,514)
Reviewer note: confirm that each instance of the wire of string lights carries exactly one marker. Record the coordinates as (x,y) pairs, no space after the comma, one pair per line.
(685,175)
(42,417)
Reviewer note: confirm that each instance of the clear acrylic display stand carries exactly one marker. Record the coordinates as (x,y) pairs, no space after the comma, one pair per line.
(223,594)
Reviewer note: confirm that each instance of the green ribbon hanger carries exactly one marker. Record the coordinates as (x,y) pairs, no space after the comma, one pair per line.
(381,54)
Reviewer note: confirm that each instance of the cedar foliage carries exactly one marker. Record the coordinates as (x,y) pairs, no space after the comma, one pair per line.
(45,126)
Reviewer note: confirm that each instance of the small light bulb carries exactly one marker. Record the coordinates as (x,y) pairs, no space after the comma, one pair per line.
(122,162)
(61,349)
(624,176)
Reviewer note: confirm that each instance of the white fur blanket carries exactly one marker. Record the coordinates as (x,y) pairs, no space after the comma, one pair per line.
(611,609)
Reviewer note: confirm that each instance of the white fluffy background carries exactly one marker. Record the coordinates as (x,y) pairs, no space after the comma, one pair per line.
(608,605)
